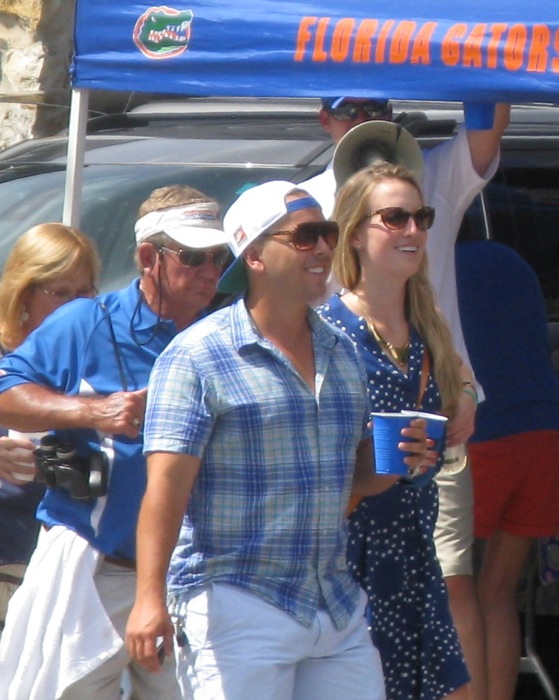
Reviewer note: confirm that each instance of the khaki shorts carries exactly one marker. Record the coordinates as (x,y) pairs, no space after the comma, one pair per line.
(10,578)
(454,531)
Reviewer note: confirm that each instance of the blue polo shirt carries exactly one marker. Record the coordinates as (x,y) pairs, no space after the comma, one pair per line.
(73,352)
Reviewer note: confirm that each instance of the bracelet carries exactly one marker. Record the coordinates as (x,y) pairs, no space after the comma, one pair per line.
(471,392)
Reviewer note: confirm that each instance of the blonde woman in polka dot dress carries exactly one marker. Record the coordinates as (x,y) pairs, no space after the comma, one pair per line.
(389,312)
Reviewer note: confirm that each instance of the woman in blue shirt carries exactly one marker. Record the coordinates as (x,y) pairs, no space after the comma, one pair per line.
(48,266)
(389,312)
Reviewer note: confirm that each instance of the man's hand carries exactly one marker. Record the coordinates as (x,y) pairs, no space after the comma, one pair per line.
(148,624)
(417,443)
(17,464)
(170,480)
(34,408)
(121,413)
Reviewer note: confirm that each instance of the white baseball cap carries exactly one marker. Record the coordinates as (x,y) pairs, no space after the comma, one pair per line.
(252,214)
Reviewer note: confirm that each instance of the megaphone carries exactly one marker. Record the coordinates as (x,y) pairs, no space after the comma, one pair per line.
(374,141)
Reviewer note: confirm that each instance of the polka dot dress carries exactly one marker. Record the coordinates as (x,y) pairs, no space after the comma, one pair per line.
(390,549)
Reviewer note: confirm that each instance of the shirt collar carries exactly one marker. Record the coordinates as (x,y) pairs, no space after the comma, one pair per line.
(244,331)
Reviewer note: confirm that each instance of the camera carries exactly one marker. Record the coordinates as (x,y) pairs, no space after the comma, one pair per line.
(59,466)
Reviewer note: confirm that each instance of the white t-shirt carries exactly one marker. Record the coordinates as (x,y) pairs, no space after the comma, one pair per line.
(450,183)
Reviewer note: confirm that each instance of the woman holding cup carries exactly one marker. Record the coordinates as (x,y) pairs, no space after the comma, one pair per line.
(48,266)
(388,310)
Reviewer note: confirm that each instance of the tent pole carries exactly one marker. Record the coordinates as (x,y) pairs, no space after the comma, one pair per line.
(75,158)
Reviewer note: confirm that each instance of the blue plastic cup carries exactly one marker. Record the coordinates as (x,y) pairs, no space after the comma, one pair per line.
(436,425)
(386,436)
(479,116)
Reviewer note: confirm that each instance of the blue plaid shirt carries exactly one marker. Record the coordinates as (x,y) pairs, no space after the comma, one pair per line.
(267,509)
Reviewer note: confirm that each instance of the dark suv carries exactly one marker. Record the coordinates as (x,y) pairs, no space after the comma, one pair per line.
(222,146)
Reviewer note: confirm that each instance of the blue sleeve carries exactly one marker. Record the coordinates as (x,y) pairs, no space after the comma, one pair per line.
(178,417)
(53,354)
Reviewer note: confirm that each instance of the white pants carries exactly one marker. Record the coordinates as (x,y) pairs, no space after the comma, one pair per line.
(240,646)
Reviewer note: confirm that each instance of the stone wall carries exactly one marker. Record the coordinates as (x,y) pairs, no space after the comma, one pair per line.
(36,43)
(35,51)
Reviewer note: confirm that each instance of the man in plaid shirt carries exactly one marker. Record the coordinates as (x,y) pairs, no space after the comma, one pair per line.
(256,434)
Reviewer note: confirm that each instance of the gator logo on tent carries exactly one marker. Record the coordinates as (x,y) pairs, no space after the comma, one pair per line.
(162,32)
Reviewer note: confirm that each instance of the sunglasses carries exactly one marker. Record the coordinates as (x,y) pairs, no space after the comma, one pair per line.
(194,257)
(396,218)
(348,111)
(305,235)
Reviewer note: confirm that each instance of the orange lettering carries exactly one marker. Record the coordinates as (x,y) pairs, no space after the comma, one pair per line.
(401,41)
(381,42)
(555,61)
(537,55)
(497,31)
(450,47)
(514,47)
(472,47)
(319,54)
(341,39)
(364,40)
(303,36)
(420,52)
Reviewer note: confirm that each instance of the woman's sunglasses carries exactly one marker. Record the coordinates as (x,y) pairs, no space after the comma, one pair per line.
(194,257)
(305,235)
(396,218)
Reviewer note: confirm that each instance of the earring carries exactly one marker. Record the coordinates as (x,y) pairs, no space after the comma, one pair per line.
(24,317)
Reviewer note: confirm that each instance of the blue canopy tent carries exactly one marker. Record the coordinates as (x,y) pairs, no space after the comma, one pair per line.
(479,51)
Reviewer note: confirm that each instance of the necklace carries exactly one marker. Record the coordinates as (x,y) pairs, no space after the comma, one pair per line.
(400,355)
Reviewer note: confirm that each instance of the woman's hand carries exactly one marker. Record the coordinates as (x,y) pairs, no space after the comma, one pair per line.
(461,427)
(17,464)
(429,460)
(417,446)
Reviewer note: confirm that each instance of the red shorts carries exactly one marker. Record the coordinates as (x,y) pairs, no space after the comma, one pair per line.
(516,484)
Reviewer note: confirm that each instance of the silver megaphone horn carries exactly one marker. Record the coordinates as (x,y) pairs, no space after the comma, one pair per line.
(374,141)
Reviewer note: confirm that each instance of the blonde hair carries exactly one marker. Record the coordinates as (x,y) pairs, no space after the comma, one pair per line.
(171,196)
(42,254)
(352,205)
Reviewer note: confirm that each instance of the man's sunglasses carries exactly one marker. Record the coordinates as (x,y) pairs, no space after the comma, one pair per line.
(194,257)
(396,218)
(372,109)
(305,235)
